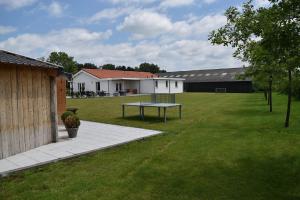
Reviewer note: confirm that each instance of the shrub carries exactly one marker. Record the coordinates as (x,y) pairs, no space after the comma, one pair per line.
(65,115)
(72,121)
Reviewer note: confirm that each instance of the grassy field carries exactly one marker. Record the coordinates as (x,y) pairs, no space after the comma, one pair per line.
(227,146)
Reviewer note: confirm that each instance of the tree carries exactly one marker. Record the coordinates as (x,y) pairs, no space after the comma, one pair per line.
(64,60)
(108,66)
(123,68)
(267,38)
(90,66)
(130,69)
(147,67)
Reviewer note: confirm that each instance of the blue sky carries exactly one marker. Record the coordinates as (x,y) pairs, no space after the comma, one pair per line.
(170,33)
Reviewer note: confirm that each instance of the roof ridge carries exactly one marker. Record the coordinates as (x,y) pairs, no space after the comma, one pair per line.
(32,59)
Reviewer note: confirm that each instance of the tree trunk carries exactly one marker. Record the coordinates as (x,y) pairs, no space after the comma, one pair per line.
(266,94)
(288,112)
(270,93)
(268,97)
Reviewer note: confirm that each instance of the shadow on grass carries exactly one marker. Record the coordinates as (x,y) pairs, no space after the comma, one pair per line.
(251,112)
(148,119)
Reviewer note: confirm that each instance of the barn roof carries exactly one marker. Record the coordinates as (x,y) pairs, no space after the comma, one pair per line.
(103,73)
(207,75)
(12,58)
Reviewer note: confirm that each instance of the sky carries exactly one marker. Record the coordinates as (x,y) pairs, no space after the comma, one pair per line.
(170,33)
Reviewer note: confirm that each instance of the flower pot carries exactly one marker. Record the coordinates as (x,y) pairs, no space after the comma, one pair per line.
(72,132)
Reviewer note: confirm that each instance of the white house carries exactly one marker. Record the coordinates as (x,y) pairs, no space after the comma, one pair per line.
(116,81)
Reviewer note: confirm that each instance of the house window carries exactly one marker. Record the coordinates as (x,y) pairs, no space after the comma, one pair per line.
(156,84)
(167,83)
(98,88)
(81,87)
(176,84)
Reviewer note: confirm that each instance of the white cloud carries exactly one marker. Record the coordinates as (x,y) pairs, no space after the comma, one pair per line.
(38,45)
(131,2)
(55,9)
(175,3)
(209,1)
(146,24)
(15,4)
(6,29)
(87,46)
(109,13)
(261,3)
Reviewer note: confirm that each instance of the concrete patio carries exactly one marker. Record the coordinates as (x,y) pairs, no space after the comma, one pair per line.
(91,137)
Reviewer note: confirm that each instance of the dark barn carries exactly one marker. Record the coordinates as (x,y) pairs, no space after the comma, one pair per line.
(213,80)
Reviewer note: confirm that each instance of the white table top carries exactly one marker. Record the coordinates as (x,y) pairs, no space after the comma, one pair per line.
(149,104)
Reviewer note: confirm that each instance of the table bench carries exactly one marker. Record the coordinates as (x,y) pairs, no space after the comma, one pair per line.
(142,106)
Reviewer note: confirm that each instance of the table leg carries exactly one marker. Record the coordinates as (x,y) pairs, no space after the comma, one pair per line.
(180,111)
(143,112)
(158,112)
(123,111)
(165,115)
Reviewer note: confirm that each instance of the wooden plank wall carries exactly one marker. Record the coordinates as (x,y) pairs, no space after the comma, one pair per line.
(24,109)
(61,96)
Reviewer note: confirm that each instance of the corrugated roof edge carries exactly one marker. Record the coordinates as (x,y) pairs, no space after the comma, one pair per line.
(32,59)
(208,69)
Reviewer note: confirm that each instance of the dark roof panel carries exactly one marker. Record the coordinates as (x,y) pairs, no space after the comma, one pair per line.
(208,75)
(12,58)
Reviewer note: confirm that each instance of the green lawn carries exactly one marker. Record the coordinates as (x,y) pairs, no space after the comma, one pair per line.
(227,146)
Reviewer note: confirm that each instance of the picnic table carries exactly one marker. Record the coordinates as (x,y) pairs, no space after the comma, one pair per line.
(142,106)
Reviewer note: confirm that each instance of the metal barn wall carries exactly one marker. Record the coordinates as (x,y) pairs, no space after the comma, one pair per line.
(25,104)
(234,87)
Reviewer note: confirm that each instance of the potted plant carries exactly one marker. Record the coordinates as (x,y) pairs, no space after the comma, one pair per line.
(72,124)
(65,115)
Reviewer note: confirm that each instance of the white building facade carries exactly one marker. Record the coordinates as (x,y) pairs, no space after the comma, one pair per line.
(84,81)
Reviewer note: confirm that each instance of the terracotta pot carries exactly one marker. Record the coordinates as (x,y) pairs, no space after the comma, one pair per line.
(72,132)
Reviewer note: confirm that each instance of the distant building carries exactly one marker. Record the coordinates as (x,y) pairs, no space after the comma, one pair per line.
(114,82)
(212,80)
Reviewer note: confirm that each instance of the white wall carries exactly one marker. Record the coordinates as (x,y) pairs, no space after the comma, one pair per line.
(148,86)
(90,82)
(179,88)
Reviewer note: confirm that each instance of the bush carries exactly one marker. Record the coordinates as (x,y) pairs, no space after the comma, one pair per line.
(72,121)
(65,115)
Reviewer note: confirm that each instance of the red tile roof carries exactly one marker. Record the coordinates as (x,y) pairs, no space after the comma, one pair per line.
(103,73)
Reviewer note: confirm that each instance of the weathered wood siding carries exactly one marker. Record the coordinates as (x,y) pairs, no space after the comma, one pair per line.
(61,96)
(25,121)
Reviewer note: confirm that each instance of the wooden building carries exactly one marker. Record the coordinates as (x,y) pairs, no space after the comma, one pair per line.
(28,102)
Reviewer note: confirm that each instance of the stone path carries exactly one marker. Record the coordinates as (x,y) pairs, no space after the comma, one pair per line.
(91,137)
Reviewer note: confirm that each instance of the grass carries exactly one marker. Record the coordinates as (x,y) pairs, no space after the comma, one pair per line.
(227,146)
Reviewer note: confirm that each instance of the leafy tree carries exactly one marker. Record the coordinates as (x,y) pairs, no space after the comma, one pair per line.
(147,67)
(63,59)
(267,38)
(108,66)
(90,66)
(123,68)
(130,69)
(79,66)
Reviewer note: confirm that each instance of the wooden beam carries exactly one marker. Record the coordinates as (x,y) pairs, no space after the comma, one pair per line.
(53,109)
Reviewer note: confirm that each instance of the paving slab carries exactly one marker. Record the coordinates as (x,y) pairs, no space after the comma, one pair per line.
(92,136)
